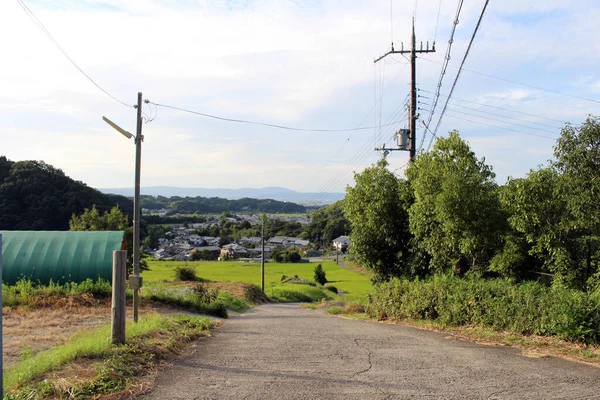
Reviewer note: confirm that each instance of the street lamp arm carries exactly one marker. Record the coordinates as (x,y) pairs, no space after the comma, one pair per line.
(118,128)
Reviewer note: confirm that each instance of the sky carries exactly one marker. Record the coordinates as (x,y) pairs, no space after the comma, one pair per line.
(533,67)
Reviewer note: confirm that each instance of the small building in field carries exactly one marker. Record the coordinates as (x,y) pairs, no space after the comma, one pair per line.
(59,256)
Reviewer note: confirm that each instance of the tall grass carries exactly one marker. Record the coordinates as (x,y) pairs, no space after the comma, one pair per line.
(527,308)
(25,292)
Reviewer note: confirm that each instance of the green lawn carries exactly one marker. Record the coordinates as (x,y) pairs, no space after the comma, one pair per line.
(350,282)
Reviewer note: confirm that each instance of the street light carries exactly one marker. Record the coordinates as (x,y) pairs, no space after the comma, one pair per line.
(135,281)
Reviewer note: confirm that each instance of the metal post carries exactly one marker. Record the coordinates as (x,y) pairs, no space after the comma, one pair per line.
(1,334)
(413,95)
(119,277)
(136,209)
(262,261)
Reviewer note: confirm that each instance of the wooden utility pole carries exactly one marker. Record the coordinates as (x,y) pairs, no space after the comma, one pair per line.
(119,278)
(412,122)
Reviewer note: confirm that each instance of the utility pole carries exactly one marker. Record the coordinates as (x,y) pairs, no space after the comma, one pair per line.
(262,261)
(412,122)
(135,279)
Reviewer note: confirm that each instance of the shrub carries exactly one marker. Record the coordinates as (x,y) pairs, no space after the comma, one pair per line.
(320,275)
(335,310)
(332,289)
(527,308)
(185,273)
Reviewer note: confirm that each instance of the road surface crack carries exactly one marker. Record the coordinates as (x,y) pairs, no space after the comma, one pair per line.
(368,359)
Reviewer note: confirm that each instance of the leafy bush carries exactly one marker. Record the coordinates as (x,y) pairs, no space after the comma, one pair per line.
(185,273)
(528,308)
(320,275)
(335,310)
(332,289)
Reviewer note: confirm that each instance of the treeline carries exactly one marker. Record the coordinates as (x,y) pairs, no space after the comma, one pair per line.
(37,196)
(217,205)
(451,215)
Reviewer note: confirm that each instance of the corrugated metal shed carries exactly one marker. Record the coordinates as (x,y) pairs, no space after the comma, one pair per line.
(58,255)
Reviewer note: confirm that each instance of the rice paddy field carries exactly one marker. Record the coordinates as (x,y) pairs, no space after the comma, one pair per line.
(353,284)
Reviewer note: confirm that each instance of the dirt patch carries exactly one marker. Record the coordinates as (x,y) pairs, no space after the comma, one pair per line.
(28,331)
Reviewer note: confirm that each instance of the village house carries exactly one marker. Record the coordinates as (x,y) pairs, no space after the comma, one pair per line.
(341,243)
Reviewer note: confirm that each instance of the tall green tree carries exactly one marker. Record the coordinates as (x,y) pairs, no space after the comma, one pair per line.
(380,237)
(455,217)
(92,220)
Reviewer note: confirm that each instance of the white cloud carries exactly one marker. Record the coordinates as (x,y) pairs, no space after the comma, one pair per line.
(306,64)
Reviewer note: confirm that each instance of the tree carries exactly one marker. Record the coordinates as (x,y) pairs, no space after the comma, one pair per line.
(379,223)
(292,255)
(37,196)
(577,155)
(91,220)
(278,254)
(536,208)
(320,275)
(455,217)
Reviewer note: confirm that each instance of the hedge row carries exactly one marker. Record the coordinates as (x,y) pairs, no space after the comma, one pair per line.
(525,308)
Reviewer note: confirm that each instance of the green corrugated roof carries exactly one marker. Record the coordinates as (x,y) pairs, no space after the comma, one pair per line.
(58,255)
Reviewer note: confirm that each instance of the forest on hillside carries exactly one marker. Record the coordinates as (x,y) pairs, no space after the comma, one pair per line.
(217,205)
(37,196)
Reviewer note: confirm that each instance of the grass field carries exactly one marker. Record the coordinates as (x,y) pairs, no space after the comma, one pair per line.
(352,283)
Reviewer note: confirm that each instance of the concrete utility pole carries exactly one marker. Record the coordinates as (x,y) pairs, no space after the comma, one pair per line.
(262,261)
(412,122)
(135,280)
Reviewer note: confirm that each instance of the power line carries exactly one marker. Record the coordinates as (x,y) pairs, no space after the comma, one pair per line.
(442,72)
(504,122)
(437,21)
(498,108)
(32,16)
(506,117)
(518,83)
(242,121)
(460,68)
(501,127)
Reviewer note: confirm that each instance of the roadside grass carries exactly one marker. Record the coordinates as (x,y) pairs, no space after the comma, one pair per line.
(26,293)
(347,282)
(152,339)
(298,293)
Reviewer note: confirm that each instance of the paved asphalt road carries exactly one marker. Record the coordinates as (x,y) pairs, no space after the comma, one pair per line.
(283,351)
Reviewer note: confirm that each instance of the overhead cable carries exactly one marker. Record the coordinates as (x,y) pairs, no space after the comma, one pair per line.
(32,16)
(460,68)
(442,72)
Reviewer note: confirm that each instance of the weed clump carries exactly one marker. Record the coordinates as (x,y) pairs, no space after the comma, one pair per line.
(185,273)
(335,310)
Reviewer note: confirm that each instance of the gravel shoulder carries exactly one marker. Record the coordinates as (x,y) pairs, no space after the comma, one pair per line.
(282,351)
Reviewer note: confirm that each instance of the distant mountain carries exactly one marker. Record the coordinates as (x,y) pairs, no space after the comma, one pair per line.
(275,193)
